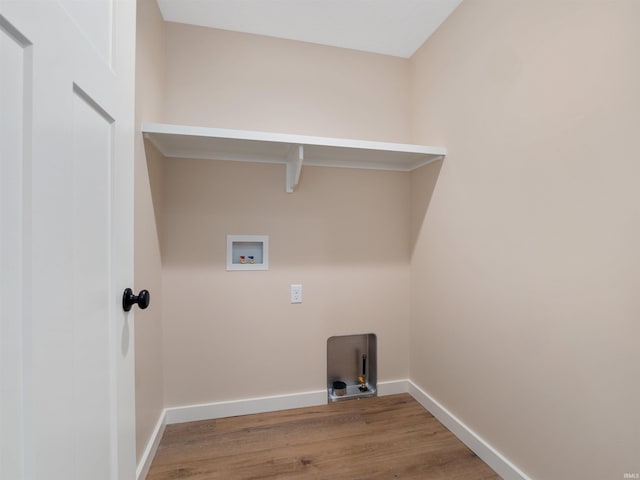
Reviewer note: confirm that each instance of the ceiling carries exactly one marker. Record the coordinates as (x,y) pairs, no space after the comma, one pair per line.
(389,27)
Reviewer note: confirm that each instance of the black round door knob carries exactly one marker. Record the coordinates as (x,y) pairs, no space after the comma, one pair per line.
(129,299)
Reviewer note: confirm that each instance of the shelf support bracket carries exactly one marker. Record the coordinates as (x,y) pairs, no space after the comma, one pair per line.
(294,166)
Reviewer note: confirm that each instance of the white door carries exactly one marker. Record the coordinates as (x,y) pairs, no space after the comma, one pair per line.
(66,243)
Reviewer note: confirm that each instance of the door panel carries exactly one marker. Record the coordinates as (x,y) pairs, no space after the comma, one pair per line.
(95,20)
(66,216)
(15,91)
(92,167)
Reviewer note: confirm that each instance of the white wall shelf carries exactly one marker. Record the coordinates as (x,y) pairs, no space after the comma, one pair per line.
(291,150)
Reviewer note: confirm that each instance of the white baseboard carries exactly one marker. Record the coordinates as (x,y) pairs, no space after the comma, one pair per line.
(152,447)
(391,387)
(493,458)
(247,406)
(208,411)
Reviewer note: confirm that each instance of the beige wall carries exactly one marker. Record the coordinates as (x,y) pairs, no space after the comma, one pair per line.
(223,79)
(525,274)
(344,235)
(148,185)
(515,291)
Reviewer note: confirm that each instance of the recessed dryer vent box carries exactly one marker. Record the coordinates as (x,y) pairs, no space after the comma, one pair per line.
(352,367)
(247,252)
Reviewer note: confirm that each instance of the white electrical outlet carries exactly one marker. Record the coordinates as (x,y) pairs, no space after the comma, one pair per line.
(296,293)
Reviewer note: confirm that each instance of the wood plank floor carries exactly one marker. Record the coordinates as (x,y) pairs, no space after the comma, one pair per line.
(389,437)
